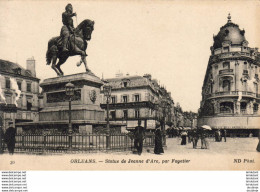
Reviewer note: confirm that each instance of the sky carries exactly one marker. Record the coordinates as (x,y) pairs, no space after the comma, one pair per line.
(168,39)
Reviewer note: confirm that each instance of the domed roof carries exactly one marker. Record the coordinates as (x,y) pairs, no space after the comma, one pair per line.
(229,32)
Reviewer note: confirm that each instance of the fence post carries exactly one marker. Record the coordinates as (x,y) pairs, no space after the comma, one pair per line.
(23,141)
(70,141)
(125,142)
(108,141)
(44,143)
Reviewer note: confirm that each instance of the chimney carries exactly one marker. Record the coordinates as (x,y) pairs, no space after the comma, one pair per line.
(148,76)
(30,66)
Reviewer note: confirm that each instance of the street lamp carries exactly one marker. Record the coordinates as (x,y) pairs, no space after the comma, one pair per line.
(107,93)
(69,87)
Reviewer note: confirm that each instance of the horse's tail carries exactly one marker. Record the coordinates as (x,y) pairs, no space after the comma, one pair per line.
(51,43)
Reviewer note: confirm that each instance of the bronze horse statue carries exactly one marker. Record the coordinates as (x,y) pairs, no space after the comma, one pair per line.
(77,45)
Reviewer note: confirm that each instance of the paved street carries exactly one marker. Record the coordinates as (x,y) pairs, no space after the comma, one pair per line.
(232,146)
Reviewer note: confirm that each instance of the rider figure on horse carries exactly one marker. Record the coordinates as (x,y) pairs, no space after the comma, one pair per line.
(68,27)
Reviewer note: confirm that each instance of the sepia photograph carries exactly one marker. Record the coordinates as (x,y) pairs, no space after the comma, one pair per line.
(129,85)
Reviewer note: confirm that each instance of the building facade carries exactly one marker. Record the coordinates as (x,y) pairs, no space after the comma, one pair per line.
(136,98)
(18,93)
(230,97)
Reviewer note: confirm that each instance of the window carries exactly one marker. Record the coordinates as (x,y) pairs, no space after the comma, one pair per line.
(226,85)
(137,98)
(226,65)
(29,105)
(226,49)
(7,83)
(125,84)
(125,99)
(29,87)
(125,114)
(226,107)
(113,99)
(243,107)
(255,108)
(19,83)
(113,115)
(137,113)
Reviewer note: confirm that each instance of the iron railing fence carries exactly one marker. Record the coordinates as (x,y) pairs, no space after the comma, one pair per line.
(75,142)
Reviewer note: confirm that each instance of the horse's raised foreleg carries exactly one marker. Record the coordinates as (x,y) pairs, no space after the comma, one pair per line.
(53,65)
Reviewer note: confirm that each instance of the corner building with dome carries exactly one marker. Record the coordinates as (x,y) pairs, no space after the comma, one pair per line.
(230,92)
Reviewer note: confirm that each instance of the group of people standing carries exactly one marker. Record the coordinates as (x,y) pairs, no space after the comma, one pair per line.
(9,138)
(139,136)
(220,134)
(194,136)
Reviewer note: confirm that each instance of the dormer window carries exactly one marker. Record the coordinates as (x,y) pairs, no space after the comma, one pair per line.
(7,83)
(125,82)
(17,71)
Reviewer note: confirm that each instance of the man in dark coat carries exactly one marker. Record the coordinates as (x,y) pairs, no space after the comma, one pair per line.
(258,146)
(195,138)
(1,140)
(224,134)
(139,136)
(10,139)
(68,27)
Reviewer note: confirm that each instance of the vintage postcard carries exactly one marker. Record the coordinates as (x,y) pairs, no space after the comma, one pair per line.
(129,85)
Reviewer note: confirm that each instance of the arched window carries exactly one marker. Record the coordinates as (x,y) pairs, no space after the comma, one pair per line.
(243,107)
(255,108)
(226,85)
(226,107)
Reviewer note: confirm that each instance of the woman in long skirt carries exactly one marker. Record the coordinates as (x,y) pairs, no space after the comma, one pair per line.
(183,138)
(158,148)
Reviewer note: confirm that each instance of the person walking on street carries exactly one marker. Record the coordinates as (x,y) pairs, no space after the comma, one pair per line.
(183,138)
(258,146)
(224,134)
(139,135)
(158,148)
(1,140)
(195,139)
(10,139)
(204,143)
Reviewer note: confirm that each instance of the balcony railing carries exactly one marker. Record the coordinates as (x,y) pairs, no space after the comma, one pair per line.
(226,71)
(233,93)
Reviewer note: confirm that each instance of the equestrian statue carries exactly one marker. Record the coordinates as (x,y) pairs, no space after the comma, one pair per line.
(72,41)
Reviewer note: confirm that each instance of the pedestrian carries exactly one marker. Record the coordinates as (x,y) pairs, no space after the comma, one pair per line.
(183,138)
(189,136)
(10,139)
(1,140)
(195,138)
(224,134)
(204,143)
(258,146)
(216,136)
(158,147)
(139,135)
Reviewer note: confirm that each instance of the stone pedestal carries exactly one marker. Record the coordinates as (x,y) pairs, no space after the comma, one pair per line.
(85,102)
